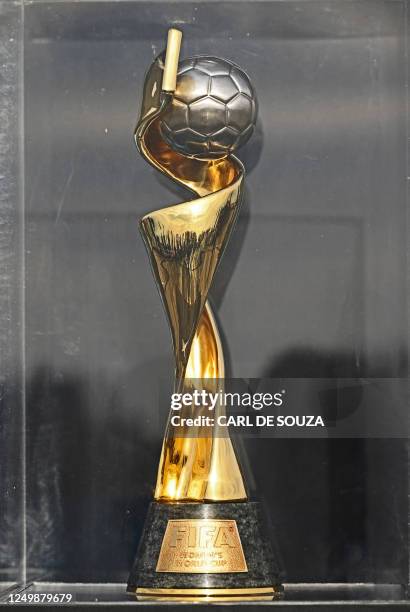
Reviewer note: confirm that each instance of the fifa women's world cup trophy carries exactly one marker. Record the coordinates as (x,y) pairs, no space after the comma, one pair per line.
(203,539)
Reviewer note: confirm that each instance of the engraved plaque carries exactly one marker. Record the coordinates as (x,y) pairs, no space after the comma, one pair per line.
(199,546)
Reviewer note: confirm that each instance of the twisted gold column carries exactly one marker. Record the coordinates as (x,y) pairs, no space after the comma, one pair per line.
(185,243)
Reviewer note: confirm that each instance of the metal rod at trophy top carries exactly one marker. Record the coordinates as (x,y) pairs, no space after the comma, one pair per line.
(169,79)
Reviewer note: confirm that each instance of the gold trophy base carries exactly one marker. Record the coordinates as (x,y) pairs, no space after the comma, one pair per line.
(210,595)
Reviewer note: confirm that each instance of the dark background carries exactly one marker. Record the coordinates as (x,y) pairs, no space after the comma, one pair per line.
(313,283)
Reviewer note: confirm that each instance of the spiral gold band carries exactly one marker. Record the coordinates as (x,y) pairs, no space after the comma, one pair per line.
(185,243)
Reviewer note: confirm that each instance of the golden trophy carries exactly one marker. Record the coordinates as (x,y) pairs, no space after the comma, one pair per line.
(203,539)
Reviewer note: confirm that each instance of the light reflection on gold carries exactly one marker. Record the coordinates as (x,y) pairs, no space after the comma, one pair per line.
(185,243)
(210,595)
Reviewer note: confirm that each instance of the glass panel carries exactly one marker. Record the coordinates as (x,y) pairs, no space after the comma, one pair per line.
(312,283)
(12,482)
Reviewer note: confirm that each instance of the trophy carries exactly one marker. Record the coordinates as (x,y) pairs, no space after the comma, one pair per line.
(203,539)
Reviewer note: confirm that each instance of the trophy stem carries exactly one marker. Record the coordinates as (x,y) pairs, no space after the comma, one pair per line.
(202,465)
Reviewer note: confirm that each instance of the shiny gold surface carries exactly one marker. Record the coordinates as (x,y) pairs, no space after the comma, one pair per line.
(185,243)
(169,79)
(201,546)
(210,595)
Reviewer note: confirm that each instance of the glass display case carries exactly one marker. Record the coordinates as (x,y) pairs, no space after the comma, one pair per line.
(313,285)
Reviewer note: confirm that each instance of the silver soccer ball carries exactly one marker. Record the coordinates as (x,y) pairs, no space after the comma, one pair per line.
(213,110)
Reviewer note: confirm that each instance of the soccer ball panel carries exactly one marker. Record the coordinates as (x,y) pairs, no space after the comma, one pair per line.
(244,137)
(213,66)
(207,116)
(223,88)
(239,112)
(185,65)
(242,82)
(191,86)
(224,140)
(197,144)
(176,116)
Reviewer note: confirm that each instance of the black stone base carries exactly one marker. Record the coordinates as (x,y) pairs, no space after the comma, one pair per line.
(260,581)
